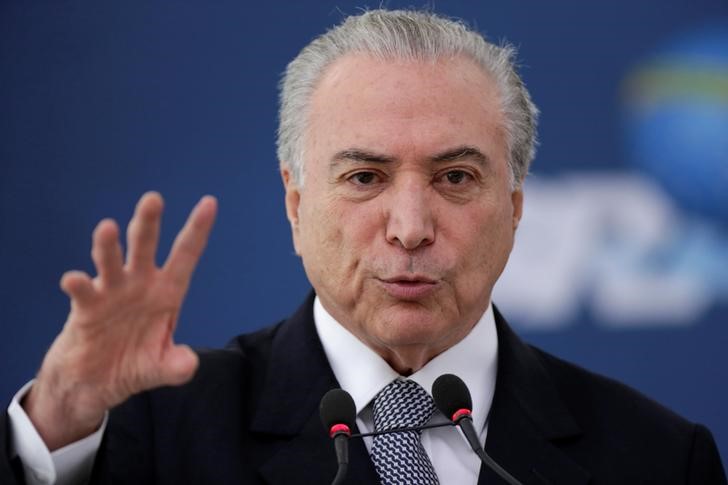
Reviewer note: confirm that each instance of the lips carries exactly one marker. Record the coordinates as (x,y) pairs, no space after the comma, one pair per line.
(409,287)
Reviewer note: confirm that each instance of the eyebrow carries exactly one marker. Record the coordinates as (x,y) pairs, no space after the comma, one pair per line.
(451,155)
(461,153)
(359,155)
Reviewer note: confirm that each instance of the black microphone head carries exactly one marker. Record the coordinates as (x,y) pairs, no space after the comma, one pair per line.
(337,407)
(451,395)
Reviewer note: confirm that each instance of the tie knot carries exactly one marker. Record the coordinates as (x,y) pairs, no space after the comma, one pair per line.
(402,404)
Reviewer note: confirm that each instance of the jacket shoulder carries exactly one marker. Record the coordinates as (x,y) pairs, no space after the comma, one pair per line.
(622,422)
(594,398)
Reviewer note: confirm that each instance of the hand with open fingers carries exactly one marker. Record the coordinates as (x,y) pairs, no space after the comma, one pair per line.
(118,338)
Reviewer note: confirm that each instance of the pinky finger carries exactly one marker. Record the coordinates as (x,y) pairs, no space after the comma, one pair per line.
(78,286)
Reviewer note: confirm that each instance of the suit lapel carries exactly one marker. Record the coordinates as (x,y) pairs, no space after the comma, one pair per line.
(526,421)
(527,418)
(287,414)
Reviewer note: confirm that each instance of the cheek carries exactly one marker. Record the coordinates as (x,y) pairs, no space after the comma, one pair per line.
(322,233)
(356,225)
(484,239)
(335,238)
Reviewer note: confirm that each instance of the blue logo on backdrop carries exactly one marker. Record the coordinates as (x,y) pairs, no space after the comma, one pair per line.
(649,247)
(677,120)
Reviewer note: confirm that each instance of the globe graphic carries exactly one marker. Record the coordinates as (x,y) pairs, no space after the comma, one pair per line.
(676,119)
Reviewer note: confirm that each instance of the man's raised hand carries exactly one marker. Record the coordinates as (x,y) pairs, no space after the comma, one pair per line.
(118,339)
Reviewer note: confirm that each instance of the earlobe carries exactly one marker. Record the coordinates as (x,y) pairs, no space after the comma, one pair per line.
(517,201)
(293,202)
(293,197)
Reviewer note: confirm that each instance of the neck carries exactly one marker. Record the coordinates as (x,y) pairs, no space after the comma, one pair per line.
(408,360)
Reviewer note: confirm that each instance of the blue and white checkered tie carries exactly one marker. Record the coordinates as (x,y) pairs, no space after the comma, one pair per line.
(399,457)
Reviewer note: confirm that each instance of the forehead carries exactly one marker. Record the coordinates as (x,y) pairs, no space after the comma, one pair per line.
(398,106)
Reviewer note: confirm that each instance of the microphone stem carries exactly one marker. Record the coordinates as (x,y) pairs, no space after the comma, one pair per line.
(341,446)
(340,474)
(466,425)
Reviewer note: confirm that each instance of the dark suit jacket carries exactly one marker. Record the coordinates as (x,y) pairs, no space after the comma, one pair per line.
(250,416)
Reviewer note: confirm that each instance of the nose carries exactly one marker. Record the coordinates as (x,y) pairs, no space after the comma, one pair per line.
(409,216)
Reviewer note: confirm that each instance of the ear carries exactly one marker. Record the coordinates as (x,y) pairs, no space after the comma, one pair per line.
(517,201)
(293,201)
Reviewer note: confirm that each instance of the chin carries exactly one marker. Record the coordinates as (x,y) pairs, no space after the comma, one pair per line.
(410,328)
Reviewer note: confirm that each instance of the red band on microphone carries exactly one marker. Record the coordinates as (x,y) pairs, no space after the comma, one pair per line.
(461,413)
(338,429)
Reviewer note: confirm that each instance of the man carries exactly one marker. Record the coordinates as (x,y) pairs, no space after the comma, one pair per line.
(404,141)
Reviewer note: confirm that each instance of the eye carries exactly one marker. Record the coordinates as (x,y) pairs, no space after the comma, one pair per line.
(363,178)
(456,177)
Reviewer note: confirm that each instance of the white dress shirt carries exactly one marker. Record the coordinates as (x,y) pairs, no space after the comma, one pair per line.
(71,464)
(359,370)
(363,373)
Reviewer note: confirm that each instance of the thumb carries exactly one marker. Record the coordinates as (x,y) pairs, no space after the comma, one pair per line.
(180,365)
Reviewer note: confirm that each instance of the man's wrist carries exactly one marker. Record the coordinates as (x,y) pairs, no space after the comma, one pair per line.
(69,464)
(53,417)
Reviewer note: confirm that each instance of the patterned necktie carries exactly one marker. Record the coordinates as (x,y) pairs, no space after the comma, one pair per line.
(399,457)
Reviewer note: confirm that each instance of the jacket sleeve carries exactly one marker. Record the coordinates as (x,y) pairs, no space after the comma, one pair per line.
(11,470)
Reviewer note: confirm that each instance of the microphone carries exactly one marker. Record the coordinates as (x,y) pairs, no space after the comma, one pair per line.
(452,398)
(338,414)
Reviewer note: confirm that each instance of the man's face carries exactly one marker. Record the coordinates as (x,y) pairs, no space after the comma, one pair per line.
(406,217)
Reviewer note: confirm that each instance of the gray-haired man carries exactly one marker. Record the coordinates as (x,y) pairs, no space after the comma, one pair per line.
(404,140)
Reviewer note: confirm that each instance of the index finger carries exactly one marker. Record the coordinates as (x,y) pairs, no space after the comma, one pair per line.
(191,241)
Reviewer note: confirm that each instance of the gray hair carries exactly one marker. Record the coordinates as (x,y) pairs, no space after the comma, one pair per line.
(404,35)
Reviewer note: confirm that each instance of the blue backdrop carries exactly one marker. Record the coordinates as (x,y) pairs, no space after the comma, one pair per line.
(621,265)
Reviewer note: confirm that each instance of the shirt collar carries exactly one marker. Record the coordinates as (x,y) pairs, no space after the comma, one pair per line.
(363,373)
